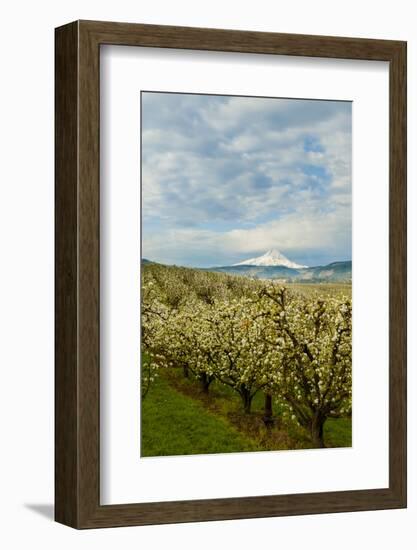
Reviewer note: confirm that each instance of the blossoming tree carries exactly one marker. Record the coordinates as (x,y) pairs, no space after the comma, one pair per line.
(313,365)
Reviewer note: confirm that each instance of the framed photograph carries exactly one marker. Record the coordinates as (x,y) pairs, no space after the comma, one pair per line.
(230,274)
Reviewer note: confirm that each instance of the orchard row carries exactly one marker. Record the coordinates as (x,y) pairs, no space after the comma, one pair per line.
(252,336)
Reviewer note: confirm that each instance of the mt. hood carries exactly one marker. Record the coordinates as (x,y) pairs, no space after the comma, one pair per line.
(272,257)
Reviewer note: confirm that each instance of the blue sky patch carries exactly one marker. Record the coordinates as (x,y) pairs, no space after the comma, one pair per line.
(226,178)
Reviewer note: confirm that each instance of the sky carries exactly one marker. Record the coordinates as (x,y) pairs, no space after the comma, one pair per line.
(225,178)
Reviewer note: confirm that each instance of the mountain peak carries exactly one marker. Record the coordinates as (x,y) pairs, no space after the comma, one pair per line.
(272,257)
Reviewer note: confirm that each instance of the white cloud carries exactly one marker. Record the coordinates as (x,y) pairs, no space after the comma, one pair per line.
(226,176)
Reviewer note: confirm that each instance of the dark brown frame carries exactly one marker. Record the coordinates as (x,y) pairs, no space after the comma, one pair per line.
(77,471)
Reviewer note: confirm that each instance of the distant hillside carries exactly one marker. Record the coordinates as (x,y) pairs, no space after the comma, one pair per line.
(334,272)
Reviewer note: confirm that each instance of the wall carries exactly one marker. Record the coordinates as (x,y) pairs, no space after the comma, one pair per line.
(26,290)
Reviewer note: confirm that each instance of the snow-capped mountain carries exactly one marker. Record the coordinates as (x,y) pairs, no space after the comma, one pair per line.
(271,258)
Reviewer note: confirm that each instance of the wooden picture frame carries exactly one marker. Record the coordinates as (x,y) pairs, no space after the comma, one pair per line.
(77,382)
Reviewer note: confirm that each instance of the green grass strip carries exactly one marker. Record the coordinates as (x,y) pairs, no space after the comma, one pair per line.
(174,424)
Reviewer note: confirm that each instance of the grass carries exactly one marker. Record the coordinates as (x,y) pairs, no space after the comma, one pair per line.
(174,424)
(338,432)
(225,403)
(178,419)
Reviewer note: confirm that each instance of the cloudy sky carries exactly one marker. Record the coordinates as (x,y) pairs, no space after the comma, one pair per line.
(226,178)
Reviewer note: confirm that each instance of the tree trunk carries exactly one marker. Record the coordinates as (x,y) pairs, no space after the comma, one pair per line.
(246,398)
(185,371)
(205,381)
(268,413)
(317,424)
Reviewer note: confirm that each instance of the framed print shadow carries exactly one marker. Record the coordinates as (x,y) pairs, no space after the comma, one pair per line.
(230,274)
